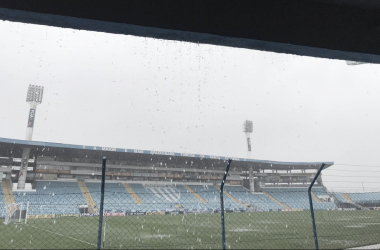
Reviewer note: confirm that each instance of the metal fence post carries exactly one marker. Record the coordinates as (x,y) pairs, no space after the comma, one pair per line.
(101,203)
(222,204)
(312,208)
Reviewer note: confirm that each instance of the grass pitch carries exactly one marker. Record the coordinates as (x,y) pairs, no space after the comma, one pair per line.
(251,230)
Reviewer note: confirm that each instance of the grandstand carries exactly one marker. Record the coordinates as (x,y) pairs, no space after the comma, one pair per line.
(151,181)
(64,185)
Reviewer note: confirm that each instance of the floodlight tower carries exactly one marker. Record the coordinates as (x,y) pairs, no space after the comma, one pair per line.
(33,97)
(248,128)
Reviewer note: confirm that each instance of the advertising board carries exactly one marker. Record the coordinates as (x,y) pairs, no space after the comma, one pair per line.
(32,114)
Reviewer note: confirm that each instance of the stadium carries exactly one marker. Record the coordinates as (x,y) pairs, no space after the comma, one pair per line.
(171,200)
(55,195)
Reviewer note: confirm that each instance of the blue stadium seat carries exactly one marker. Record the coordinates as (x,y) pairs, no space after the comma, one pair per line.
(52,197)
(258,200)
(372,197)
(57,197)
(116,197)
(2,203)
(297,198)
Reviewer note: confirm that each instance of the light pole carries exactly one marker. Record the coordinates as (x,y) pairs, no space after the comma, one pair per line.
(247,129)
(33,97)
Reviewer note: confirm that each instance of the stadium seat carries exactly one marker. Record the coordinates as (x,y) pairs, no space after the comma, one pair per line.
(52,197)
(258,200)
(57,197)
(297,198)
(2,203)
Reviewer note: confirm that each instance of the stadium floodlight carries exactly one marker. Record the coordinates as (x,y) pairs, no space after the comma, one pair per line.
(35,94)
(248,126)
(33,97)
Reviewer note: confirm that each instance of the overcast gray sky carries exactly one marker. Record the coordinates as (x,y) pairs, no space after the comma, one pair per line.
(142,93)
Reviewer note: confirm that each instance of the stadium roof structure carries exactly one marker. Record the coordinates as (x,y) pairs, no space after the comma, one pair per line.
(81,151)
(337,29)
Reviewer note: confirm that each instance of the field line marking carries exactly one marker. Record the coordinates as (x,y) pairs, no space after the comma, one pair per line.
(63,235)
(367,247)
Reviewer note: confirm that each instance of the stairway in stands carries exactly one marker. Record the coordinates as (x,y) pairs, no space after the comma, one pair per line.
(87,195)
(7,191)
(179,206)
(277,201)
(315,197)
(135,196)
(349,200)
(195,194)
(231,197)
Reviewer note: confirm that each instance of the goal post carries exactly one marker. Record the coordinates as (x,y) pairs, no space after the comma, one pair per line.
(16,213)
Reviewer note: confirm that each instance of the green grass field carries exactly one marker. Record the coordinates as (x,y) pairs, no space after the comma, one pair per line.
(291,230)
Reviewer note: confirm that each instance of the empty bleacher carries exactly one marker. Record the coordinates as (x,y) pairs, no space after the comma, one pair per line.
(2,203)
(321,192)
(340,197)
(153,200)
(58,197)
(257,200)
(168,198)
(116,196)
(208,193)
(358,200)
(188,201)
(212,195)
(52,197)
(135,196)
(366,198)
(195,194)
(297,198)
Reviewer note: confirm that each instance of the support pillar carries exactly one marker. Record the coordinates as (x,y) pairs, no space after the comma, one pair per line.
(249,150)
(33,97)
(23,168)
(251,180)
